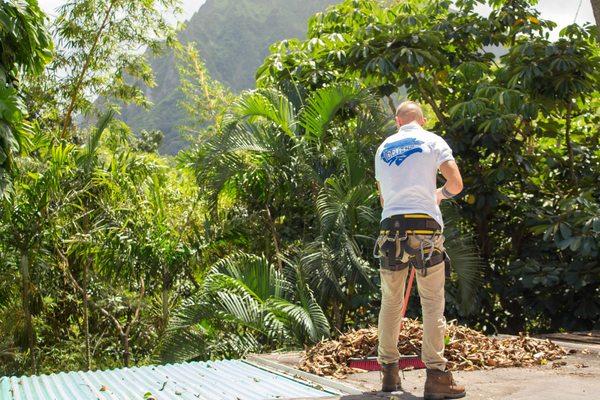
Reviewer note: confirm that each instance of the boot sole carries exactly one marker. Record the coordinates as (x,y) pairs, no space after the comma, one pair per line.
(443,396)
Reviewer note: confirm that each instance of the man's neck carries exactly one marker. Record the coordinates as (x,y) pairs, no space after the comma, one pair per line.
(410,125)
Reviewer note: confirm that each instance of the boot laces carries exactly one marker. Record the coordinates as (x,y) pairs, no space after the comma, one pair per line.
(452,382)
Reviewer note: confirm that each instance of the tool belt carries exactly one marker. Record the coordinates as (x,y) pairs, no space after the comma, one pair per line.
(392,246)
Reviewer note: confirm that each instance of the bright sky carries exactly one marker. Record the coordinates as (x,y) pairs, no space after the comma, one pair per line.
(561,11)
(189,7)
(565,12)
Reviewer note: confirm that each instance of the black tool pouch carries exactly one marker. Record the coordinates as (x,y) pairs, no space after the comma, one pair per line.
(390,252)
(387,254)
(391,255)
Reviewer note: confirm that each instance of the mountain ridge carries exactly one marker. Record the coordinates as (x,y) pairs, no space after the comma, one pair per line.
(233,38)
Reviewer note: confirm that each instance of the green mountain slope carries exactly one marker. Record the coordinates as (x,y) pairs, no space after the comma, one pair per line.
(233,37)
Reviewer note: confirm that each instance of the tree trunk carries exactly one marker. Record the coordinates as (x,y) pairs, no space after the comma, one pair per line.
(165,300)
(596,8)
(86,319)
(74,95)
(569,144)
(337,315)
(430,100)
(123,332)
(483,233)
(126,352)
(275,238)
(26,282)
(391,104)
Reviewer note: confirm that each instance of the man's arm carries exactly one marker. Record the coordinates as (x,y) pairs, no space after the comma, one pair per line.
(379,192)
(454,183)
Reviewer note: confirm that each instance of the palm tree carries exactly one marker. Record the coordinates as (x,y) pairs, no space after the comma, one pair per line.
(307,160)
(31,213)
(596,8)
(119,237)
(246,304)
(87,161)
(277,148)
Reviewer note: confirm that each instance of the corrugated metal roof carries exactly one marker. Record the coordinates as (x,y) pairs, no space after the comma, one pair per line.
(218,380)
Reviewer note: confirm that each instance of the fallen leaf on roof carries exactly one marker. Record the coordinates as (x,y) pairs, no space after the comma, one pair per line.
(466,349)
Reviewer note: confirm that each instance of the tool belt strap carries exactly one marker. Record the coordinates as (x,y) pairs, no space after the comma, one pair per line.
(410,223)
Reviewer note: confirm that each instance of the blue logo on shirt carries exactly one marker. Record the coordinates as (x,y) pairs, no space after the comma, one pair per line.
(397,152)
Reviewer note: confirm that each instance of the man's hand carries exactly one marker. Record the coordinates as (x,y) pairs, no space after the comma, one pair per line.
(439,196)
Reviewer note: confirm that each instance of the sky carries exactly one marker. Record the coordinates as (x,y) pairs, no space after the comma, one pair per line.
(189,7)
(562,12)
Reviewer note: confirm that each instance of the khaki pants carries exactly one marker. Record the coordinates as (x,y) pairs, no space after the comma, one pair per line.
(431,292)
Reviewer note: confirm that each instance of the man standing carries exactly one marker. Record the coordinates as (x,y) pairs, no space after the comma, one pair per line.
(406,166)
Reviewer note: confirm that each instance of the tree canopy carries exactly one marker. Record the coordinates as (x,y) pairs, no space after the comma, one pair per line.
(520,112)
(25,48)
(259,235)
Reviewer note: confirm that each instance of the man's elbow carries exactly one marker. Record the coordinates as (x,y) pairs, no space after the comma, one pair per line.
(459,185)
(455,185)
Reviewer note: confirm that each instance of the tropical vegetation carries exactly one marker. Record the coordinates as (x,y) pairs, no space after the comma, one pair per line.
(259,235)
(233,38)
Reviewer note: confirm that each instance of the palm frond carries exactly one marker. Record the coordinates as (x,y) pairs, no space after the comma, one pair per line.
(186,336)
(93,141)
(319,263)
(231,345)
(467,265)
(323,105)
(257,275)
(243,309)
(184,345)
(309,318)
(270,105)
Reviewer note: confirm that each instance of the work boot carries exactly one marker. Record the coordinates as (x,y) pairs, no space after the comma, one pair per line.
(391,377)
(440,385)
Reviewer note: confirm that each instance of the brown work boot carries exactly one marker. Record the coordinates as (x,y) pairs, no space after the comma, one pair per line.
(391,377)
(440,385)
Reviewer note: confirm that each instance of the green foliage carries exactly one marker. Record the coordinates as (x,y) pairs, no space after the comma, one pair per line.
(233,37)
(522,121)
(205,100)
(99,48)
(150,141)
(108,231)
(25,48)
(26,44)
(259,236)
(299,167)
(245,305)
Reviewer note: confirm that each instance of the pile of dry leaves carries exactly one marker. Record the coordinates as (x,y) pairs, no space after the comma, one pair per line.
(466,349)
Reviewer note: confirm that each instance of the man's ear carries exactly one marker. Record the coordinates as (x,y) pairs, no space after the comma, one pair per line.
(398,122)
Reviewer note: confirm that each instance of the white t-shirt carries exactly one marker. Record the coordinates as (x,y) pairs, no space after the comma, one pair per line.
(406,166)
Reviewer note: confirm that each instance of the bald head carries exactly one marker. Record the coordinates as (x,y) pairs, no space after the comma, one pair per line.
(408,112)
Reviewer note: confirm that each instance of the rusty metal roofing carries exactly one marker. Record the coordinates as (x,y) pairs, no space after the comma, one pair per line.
(218,380)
